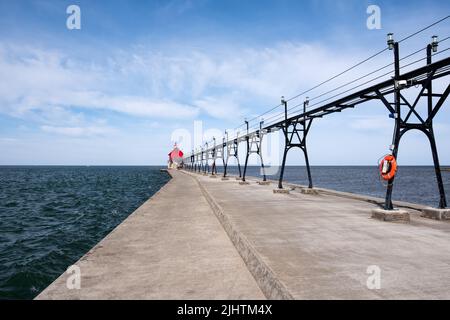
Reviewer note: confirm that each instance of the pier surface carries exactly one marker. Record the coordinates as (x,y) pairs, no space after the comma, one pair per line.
(203,238)
(172,247)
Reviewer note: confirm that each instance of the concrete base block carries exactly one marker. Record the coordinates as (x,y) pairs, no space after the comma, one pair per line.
(225,178)
(285,191)
(213,176)
(243,182)
(435,213)
(263,183)
(391,215)
(309,191)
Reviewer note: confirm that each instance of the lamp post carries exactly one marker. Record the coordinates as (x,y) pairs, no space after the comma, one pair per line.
(392,45)
(390,40)
(305,105)
(434,43)
(284,103)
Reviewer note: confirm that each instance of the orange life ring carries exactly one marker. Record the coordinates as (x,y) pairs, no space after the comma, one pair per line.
(388,167)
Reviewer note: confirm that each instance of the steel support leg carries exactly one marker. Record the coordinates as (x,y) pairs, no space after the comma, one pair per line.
(263,169)
(308,169)
(225,166)
(245,166)
(283,163)
(239,166)
(437,170)
(388,201)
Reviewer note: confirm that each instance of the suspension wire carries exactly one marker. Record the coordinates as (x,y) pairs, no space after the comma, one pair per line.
(338,75)
(349,69)
(355,87)
(423,29)
(376,78)
(363,61)
(266,112)
(351,89)
(364,76)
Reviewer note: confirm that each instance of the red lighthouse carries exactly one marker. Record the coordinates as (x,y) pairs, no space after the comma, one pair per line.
(175,158)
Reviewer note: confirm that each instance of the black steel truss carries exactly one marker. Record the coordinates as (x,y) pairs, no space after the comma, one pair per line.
(295,137)
(254,142)
(232,151)
(216,153)
(405,124)
(296,127)
(440,69)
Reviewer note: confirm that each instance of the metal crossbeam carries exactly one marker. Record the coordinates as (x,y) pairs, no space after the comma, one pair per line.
(296,127)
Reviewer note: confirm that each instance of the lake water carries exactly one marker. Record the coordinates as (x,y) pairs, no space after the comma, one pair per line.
(51,216)
(415,184)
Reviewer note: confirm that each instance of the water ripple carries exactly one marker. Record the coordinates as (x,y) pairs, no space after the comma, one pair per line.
(51,216)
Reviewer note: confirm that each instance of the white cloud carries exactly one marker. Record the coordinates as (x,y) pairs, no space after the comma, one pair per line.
(58,91)
(45,85)
(246,73)
(42,84)
(79,131)
(221,107)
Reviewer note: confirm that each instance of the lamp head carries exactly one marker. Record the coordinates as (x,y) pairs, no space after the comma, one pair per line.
(434,43)
(390,40)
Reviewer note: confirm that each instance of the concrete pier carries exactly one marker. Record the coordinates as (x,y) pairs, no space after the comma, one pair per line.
(202,238)
(172,247)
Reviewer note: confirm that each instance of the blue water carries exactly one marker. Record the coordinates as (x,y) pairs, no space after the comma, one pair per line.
(51,216)
(415,184)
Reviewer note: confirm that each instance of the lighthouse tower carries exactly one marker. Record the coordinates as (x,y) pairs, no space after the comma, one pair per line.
(175,158)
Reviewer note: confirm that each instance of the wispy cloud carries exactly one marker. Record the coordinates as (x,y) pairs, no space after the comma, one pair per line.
(42,84)
(79,131)
(62,93)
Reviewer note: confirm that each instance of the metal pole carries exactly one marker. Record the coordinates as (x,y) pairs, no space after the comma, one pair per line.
(248,152)
(396,137)
(224,145)
(214,157)
(286,144)
(437,167)
(308,169)
(206,169)
(260,152)
(238,163)
(280,180)
(236,153)
(437,170)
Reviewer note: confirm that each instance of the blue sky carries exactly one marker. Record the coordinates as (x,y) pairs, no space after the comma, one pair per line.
(139,72)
